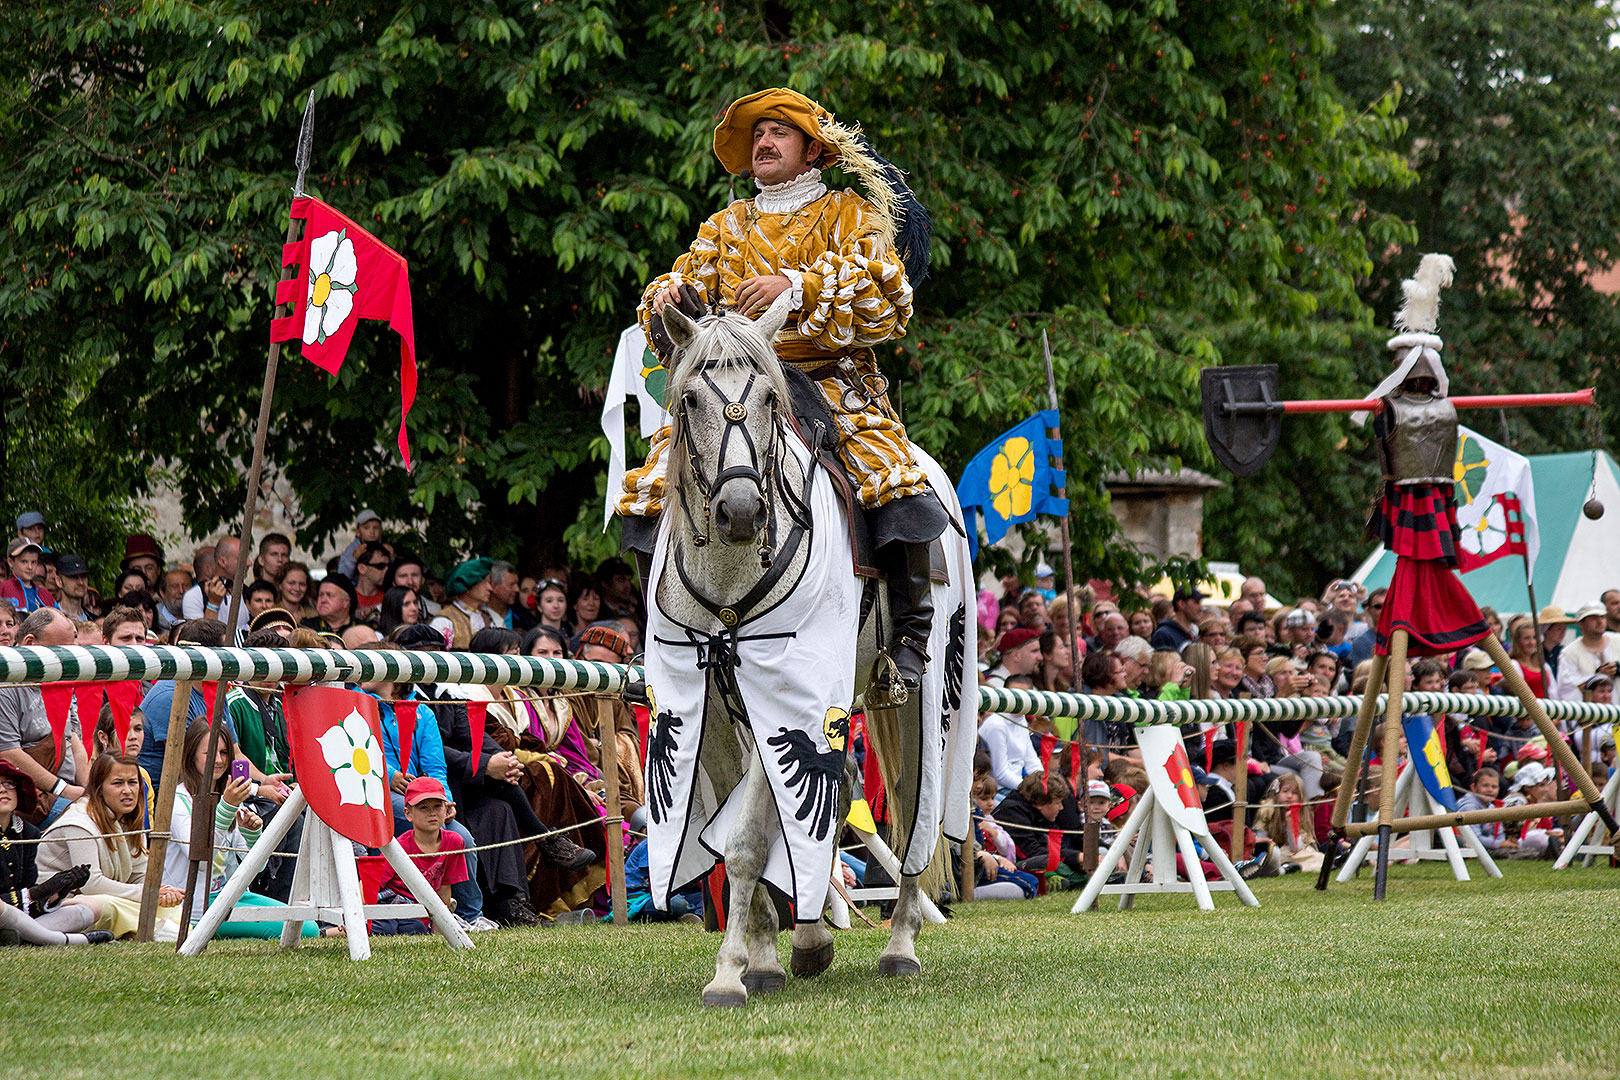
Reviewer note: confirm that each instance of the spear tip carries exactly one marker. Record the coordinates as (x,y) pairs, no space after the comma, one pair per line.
(306,140)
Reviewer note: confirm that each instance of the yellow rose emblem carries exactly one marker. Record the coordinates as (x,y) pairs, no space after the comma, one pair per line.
(1012,473)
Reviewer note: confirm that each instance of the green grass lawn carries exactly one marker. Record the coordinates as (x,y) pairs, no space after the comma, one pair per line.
(1509,978)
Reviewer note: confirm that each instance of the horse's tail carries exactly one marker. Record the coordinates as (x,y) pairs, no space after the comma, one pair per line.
(886,739)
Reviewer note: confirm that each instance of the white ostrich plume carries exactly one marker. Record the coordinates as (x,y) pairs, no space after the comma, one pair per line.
(1420,311)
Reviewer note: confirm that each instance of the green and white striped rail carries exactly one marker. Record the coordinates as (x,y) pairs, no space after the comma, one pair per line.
(1138,711)
(106,663)
(194,663)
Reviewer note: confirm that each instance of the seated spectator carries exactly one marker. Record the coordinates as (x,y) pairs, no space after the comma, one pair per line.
(584,605)
(1225,774)
(372,562)
(1134,654)
(1538,838)
(1227,674)
(25,588)
(599,714)
(1057,663)
(155,705)
(427,759)
(467,590)
(8,622)
(484,783)
(1029,812)
(1482,795)
(435,850)
(1167,677)
(235,826)
(293,591)
(111,808)
(1255,683)
(401,606)
(131,580)
(1012,757)
(1215,631)
(1282,819)
(996,876)
(1140,624)
(34,912)
(334,605)
(555,795)
(58,768)
(1032,611)
(367,530)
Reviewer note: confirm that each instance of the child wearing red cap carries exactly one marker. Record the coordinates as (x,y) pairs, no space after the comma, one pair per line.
(436,851)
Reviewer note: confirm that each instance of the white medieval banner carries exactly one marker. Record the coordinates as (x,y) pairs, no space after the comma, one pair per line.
(1496,501)
(638,373)
(1164,759)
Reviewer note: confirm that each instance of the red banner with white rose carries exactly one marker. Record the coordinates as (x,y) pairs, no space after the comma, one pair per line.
(337,752)
(345,274)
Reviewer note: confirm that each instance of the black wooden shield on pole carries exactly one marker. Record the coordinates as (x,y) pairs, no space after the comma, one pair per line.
(1242,415)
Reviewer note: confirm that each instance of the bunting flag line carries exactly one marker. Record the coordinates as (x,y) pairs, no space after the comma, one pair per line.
(345,274)
(1019,475)
(88,697)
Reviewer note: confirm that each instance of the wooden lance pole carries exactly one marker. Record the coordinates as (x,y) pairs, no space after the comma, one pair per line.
(203,806)
(1089,830)
(163,812)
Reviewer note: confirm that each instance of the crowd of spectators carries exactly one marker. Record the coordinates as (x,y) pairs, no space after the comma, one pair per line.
(513,830)
(1031,770)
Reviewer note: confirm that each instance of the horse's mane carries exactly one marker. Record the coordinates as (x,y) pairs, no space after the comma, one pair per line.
(722,342)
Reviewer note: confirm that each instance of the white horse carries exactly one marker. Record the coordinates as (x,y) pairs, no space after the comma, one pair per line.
(760,636)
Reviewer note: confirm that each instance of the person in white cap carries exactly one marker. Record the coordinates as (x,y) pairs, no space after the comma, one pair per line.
(1596,651)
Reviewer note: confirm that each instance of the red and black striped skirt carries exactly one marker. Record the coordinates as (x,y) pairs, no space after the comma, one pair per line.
(1418,521)
(1435,609)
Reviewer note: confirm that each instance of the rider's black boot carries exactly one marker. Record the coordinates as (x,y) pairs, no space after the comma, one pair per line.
(911,605)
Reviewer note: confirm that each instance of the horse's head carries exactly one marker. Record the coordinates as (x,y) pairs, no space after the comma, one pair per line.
(728,399)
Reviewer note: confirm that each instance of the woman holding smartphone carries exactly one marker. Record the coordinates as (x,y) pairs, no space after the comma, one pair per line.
(235,826)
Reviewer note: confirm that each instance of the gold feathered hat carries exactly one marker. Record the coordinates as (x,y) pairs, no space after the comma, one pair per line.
(903,219)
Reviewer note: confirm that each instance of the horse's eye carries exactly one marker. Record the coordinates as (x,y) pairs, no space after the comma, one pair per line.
(690,399)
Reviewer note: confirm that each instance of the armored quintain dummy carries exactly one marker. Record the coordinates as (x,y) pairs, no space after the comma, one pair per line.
(1416,516)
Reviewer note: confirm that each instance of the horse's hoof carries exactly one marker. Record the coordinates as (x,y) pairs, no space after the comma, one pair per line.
(808,963)
(725,998)
(764,982)
(898,965)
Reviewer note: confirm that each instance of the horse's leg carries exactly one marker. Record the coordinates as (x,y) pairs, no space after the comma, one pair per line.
(812,949)
(746,847)
(765,974)
(900,958)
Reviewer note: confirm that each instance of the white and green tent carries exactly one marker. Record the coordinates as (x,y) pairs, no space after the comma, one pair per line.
(1579,558)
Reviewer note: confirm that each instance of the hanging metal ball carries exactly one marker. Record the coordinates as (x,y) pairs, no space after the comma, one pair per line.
(1593,508)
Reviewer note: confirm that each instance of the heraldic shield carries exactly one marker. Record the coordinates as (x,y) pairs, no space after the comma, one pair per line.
(337,751)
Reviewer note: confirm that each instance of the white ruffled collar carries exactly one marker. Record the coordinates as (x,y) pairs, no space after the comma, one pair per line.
(792,195)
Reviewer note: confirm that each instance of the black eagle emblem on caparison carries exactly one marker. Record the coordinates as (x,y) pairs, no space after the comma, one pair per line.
(813,775)
(661,765)
(955,650)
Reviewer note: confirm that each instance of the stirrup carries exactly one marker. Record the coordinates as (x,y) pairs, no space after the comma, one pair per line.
(886,690)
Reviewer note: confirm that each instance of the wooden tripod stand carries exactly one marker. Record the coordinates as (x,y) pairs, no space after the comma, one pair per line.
(1387,824)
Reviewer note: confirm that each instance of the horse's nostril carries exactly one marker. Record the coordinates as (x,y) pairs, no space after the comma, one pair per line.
(759,517)
(722,516)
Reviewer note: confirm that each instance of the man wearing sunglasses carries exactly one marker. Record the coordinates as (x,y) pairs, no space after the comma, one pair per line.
(371,563)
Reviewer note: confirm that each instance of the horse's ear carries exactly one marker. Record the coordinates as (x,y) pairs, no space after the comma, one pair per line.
(679,328)
(776,316)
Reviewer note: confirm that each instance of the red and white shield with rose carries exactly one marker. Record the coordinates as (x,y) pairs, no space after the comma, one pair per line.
(337,752)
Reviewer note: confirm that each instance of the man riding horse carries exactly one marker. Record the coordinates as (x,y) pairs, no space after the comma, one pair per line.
(851,288)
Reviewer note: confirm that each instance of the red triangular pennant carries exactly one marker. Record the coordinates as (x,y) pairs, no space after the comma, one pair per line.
(210,692)
(58,702)
(477,717)
(89,697)
(405,724)
(123,697)
(1048,744)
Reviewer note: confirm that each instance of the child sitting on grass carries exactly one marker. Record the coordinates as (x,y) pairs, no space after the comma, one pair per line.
(1482,796)
(435,851)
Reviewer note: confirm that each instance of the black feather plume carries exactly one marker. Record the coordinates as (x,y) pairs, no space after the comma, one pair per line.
(914,231)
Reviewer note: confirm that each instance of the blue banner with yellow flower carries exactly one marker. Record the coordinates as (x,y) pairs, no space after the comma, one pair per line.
(1020,474)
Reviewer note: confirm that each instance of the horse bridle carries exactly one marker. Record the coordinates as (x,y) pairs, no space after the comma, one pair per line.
(735,414)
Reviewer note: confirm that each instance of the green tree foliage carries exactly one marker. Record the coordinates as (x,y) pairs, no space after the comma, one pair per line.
(1513,134)
(1156,184)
